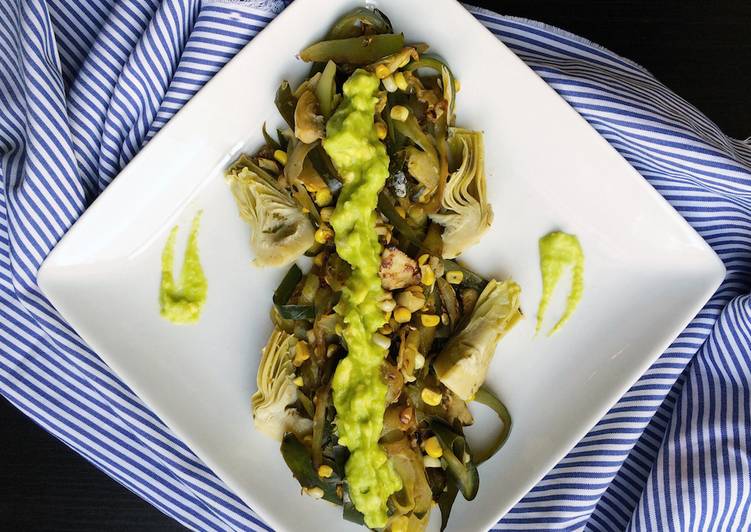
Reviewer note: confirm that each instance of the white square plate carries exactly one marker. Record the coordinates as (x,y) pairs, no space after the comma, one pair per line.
(647,271)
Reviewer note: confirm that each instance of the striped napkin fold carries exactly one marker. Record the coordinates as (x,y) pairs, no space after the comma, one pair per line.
(84,85)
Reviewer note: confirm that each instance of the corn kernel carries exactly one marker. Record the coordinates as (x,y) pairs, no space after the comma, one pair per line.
(423,259)
(298,382)
(326,213)
(381,341)
(387,305)
(382,71)
(417,214)
(324,197)
(433,447)
(401,81)
(323,234)
(430,320)
(457,85)
(428,277)
(381,130)
(314,492)
(318,259)
(389,84)
(455,276)
(429,461)
(400,523)
(431,397)
(325,471)
(280,156)
(402,315)
(302,353)
(400,113)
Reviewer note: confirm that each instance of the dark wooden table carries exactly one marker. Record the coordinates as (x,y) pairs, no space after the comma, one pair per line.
(702,50)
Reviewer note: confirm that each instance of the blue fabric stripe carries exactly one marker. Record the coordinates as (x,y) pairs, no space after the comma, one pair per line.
(83,87)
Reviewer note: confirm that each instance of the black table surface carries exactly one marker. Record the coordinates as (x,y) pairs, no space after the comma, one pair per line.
(702,50)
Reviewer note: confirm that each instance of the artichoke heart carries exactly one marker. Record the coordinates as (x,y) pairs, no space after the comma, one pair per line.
(280,230)
(465,212)
(463,364)
(272,414)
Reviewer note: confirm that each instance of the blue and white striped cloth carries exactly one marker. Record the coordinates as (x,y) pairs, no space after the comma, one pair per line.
(84,85)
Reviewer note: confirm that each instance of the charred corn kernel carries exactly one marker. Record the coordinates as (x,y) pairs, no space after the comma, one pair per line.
(302,353)
(419,361)
(326,213)
(400,523)
(280,156)
(429,461)
(382,71)
(386,329)
(433,447)
(430,320)
(402,315)
(381,341)
(381,130)
(399,112)
(457,85)
(325,471)
(389,84)
(423,259)
(324,197)
(455,277)
(318,259)
(314,492)
(401,81)
(298,382)
(416,290)
(428,277)
(324,234)
(430,396)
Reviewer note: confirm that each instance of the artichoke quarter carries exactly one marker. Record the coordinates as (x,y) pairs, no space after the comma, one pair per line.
(272,412)
(463,364)
(465,212)
(281,232)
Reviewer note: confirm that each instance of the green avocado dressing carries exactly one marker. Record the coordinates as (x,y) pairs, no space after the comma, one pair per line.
(559,251)
(359,391)
(182,303)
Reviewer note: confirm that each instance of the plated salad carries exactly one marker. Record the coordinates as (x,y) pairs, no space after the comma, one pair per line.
(383,339)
